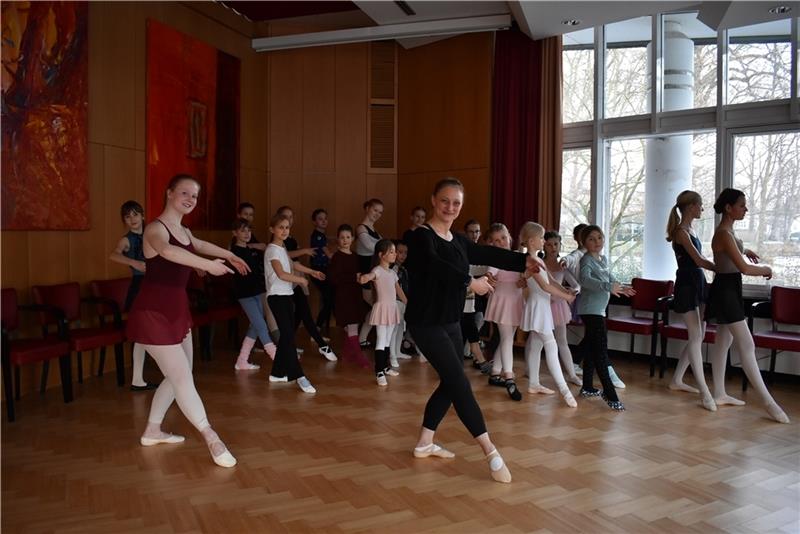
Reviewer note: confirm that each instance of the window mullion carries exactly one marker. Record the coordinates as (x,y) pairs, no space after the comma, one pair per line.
(598,186)
(656,64)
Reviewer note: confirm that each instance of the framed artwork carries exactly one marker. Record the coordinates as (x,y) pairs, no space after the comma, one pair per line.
(192,123)
(45,93)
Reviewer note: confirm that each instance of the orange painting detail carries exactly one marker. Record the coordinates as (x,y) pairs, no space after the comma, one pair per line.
(45,92)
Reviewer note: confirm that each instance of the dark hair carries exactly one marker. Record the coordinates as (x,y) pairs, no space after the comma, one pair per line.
(398,242)
(344,228)
(577,231)
(130,206)
(447,182)
(278,217)
(415,209)
(494,228)
(372,202)
(245,205)
(284,208)
(317,212)
(588,229)
(552,234)
(381,247)
(728,197)
(240,223)
(470,223)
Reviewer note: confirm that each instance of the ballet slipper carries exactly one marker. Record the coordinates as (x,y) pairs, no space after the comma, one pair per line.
(164,438)
(728,400)
(777,414)
(432,450)
(680,386)
(575,380)
(540,390)
(708,403)
(246,366)
(271,350)
(568,398)
(497,466)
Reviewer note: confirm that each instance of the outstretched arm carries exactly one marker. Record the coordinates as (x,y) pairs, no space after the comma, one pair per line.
(210,249)
(156,241)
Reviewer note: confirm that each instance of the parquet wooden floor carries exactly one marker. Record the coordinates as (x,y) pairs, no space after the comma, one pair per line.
(340,461)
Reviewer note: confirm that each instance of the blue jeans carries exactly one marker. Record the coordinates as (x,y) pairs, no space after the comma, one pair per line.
(254,309)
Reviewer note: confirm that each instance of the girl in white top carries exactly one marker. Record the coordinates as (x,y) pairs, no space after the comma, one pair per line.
(384,315)
(280,291)
(562,312)
(537,318)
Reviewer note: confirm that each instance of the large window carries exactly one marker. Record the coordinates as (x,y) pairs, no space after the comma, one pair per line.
(690,63)
(577,59)
(627,67)
(759,62)
(576,186)
(767,169)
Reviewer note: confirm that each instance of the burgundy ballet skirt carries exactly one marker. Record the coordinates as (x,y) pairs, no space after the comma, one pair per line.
(160,314)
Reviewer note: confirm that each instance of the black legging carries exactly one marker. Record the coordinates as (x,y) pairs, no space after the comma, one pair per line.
(444,346)
(326,302)
(469,328)
(595,354)
(302,312)
(286,362)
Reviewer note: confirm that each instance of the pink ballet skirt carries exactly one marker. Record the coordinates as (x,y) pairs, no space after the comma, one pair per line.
(505,304)
(384,311)
(562,313)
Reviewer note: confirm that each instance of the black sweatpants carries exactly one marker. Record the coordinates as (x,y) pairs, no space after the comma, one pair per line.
(443,346)
(302,312)
(326,302)
(286,362)
(595,354)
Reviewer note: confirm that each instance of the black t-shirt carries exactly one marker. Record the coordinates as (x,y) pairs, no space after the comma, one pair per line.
(439,274)
(252,283)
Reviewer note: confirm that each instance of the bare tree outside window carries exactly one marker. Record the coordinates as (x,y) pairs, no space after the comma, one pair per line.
(576,181)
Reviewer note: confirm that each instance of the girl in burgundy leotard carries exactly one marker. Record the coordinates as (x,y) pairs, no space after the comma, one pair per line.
(160,319)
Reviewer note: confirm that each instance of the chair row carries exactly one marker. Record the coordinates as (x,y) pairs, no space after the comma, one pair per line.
(655,298)
(57,310)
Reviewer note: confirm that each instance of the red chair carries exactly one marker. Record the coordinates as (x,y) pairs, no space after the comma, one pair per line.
(212,301)
(645,300)
(677,331)
(18,352)
(783,308)
(112,294)
(67,298)
(202,318)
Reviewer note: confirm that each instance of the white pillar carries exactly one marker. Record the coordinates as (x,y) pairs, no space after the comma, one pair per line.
(668,160)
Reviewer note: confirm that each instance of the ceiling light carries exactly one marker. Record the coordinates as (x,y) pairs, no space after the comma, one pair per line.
(780,10)
(570,22)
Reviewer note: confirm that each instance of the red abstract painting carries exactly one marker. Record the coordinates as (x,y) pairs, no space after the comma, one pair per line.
(192,123)
(45,92)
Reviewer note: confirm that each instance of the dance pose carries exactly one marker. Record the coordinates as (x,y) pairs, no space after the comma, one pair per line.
(366,239)
(597,286)
(129,252)
(438,265)
(384,315)
(727,307)
(505,311)
(537,318)
(690,293)
(319,262)
(250,291)
(160,318)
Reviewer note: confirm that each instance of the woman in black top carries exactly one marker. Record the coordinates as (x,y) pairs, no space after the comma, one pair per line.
(438,265)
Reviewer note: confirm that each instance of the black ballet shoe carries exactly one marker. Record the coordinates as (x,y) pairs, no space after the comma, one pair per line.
(146,387)
(614,405)
(497,380)
(513,390)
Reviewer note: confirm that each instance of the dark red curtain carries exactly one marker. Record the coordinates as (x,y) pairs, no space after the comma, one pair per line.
(523,181)
(515,127)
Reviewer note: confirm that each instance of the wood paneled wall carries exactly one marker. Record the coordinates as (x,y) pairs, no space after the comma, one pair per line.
(445,123)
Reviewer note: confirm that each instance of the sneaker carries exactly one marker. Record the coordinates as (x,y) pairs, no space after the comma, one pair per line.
(614,405)
(381,379)
(578,369)
(391,372)
(619,384)
(278,378)
(305,385)
(328,353)
(589,392)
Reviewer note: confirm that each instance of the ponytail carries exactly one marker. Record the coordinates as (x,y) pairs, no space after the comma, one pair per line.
(673,222)
(684,200)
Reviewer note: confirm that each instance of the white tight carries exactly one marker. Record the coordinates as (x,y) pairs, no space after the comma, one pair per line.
(138,365)
(175,361)
(739,334)
(399,332)
(504,355)
(692,353)
(533,356)
(563,349)
(384,335)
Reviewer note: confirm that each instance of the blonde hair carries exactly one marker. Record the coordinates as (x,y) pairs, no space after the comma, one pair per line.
(529,230)
(684,200)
